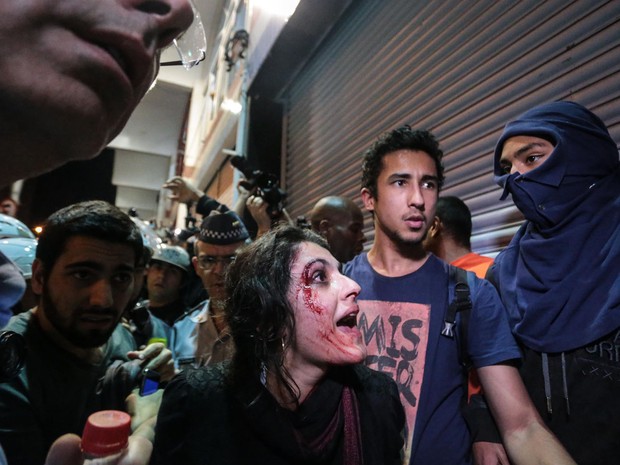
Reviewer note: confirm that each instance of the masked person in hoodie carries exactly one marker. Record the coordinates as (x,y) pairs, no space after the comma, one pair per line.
(560,276)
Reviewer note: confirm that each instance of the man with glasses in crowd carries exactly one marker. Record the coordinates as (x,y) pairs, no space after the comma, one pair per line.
(201,337)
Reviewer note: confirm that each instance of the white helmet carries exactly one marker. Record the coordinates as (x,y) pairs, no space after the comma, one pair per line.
(172,254)
(18,243)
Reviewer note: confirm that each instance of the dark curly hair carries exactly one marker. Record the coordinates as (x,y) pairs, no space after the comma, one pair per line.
(93,218)
(258,310)
(403,138)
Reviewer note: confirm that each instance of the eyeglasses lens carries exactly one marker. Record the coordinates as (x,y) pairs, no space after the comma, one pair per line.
(192,44)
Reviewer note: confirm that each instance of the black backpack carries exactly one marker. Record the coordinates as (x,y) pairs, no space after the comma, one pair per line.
(475,411)
(460,305)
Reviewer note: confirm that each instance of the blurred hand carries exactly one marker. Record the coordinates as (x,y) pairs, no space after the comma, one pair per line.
(241,188)
(182,190)
(489,453)
(156,357)
(66,451)
(257,207)
(143,411)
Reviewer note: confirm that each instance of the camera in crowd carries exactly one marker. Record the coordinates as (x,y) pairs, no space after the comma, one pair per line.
(264,185)
(303,223)
(12,355)
(190,225)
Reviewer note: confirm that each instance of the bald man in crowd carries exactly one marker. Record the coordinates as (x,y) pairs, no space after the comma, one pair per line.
(341,222)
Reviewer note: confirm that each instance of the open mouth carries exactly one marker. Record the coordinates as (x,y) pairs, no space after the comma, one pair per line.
(349,321)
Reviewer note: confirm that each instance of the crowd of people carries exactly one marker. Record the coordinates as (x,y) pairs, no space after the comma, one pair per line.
(302,347)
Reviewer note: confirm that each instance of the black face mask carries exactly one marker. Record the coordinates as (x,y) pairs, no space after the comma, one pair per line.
(524,196)
(547,205)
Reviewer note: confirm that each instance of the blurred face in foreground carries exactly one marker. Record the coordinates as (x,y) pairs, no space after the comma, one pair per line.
(325,312)
(73,71)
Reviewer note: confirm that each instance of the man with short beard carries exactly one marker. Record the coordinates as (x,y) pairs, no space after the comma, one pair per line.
(84,275)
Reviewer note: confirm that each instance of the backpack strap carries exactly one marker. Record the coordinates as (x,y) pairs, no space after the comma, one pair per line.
(476,412)
(460,304)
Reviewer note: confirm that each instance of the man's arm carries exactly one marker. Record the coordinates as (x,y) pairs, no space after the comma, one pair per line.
(182,190)
(258,209)
(185,192)
(487,447)
(526,438)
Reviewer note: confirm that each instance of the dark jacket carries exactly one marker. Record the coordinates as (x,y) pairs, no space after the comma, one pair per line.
(204,419)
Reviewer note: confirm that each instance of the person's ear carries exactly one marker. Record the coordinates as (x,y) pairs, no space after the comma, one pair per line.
(435,229)
(324,226)
(37,280)
(368,200)
(195,264)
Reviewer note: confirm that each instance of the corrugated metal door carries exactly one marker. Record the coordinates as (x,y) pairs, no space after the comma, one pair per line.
(459,68)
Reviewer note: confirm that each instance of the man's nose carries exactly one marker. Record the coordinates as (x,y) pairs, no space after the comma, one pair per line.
(101,294)
(219,267)
(172,17)
(416,198)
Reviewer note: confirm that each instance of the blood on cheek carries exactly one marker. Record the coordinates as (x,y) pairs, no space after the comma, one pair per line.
(310,300)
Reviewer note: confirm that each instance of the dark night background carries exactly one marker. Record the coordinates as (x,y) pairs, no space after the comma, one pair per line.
(74,182)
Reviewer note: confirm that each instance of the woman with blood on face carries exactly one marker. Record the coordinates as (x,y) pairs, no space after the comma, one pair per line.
(296,391)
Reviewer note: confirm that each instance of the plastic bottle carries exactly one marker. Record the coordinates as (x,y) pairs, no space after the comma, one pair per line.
(105,434)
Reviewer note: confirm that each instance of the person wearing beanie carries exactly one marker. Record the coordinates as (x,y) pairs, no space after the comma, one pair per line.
(201,336)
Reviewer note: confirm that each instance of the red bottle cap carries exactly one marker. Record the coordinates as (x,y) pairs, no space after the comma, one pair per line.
(106,433)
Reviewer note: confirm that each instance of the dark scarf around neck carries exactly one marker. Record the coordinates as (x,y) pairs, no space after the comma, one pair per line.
(324,430)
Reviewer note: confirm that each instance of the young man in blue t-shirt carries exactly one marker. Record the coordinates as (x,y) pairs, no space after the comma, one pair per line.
(402,308)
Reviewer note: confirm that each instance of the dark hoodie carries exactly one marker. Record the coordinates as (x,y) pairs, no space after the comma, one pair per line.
(560,276)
